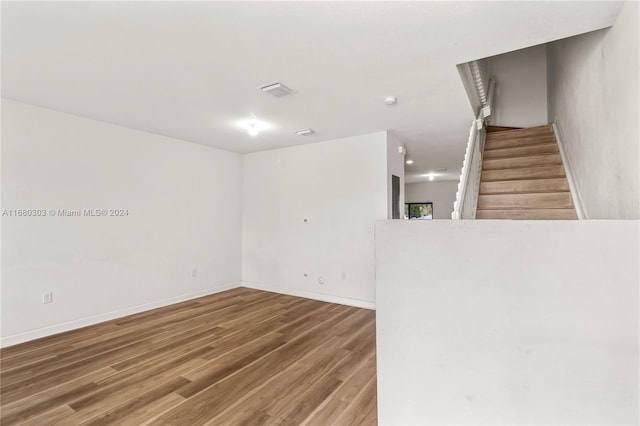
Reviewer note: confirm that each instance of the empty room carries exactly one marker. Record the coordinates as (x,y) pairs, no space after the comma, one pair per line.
(320,213)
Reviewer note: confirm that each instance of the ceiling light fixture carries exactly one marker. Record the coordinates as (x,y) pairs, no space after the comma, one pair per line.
(253,126)
(409,161)
(305,132)
(431,176)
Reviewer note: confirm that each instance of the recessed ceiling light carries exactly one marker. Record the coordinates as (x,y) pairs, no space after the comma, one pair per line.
(276,89)
(305,132)
(390,100)
(253,126)
(431,176)
(409,161)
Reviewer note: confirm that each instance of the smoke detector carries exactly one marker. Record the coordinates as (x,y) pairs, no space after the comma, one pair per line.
(276,89)
(390,100)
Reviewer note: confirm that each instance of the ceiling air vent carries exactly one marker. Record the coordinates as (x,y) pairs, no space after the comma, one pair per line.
(305,132)
(276,89)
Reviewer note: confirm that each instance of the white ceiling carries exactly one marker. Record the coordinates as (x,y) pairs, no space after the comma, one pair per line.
(190,70)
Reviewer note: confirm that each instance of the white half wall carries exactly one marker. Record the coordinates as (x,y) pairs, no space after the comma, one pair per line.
(507,322)
(311,210)
(183,202)
(593,99)
(520,99)
(441,193)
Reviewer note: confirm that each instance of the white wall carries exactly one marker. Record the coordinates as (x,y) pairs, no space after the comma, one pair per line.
(441,193)
(593,98)
(521,87)
(507,322)
(184,204)
(395,166)
(340,188)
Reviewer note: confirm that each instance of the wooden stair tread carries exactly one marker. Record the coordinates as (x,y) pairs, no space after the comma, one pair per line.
(539,172)
(491,128)
(510,134)
(518,162)
(548,200)
(524,186)
(528,214)
(490,145)
(521,151)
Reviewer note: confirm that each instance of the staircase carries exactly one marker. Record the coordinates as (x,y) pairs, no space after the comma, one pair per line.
(523,176)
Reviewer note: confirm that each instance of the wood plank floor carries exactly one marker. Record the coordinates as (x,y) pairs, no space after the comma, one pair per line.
(241,357)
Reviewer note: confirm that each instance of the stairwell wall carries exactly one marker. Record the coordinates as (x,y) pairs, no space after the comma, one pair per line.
(521,87)
(593,99)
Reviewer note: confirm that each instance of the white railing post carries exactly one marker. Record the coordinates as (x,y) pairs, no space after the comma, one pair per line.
(468,188)
(464,173)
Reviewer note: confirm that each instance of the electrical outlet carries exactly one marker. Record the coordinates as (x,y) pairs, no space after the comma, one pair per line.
(47,297)
(321,280)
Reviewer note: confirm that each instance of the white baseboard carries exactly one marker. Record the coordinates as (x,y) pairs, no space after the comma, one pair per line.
(568,169)
(83,322)
(366,304)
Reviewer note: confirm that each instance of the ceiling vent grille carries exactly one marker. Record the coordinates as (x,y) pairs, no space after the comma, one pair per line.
(276,89)
(305,132)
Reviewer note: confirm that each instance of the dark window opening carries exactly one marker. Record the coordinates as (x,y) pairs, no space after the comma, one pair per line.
(395,197)
(418,211)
